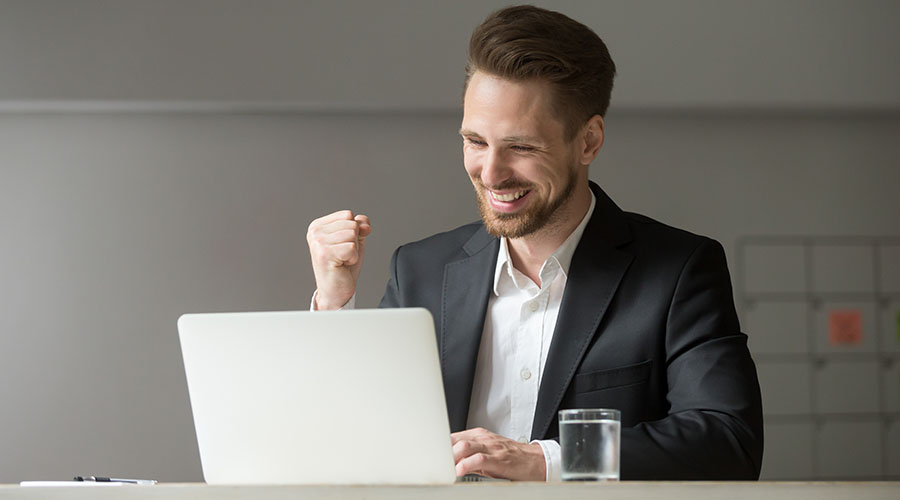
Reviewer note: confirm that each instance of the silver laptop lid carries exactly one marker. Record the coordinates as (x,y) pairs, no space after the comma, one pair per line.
(345,397)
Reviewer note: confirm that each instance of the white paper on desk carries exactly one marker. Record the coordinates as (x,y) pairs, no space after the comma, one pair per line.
(76,484)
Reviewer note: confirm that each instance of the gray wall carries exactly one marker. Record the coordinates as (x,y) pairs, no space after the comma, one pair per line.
(406,54)
(166,157)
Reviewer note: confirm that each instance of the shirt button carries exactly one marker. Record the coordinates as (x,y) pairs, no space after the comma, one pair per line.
(523,439)
(534,305)
(526,374)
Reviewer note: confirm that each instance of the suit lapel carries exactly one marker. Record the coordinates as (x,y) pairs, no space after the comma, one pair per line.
(467,284)
(594,275)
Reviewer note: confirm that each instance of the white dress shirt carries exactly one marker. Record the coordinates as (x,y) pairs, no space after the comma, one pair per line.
(518,329)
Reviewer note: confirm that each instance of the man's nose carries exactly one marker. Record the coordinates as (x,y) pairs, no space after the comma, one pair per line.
(494,170)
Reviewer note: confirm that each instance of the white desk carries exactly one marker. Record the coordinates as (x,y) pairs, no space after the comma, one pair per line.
(479,491)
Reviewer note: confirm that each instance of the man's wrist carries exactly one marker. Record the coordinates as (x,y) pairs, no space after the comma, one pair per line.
(314,304)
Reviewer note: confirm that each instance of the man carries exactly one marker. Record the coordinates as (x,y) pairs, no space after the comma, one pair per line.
(558,299)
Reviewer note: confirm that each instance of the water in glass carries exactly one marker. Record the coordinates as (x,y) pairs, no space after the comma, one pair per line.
(590,450)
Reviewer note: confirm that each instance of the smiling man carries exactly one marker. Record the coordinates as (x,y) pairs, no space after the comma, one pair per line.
(557,298)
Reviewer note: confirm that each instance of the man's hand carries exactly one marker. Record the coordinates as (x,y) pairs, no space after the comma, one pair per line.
(478,451)
(336,244)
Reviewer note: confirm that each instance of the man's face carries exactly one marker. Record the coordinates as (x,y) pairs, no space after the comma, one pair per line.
(514,149)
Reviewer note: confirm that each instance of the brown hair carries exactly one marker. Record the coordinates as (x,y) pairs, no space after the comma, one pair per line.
(529,43)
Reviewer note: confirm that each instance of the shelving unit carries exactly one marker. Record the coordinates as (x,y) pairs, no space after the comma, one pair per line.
(831,393)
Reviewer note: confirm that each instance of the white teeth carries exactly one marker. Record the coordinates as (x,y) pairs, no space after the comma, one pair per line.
(508,197)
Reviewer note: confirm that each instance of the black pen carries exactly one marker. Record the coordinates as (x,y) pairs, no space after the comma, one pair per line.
(98,479)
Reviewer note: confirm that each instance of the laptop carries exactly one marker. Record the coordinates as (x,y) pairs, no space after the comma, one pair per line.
(340,397)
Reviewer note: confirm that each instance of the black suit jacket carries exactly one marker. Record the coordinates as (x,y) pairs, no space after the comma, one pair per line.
(647,326)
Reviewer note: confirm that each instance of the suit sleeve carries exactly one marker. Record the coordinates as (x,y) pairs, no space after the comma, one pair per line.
(391,297)
(713,429)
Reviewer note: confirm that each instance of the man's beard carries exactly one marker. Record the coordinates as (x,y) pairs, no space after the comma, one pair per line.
(538,215)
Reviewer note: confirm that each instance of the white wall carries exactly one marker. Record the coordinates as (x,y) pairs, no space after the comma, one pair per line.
(119,212)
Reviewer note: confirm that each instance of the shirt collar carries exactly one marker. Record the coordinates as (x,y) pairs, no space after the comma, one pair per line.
(562,255)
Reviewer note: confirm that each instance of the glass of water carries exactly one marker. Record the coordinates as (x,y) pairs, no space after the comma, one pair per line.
(589,443)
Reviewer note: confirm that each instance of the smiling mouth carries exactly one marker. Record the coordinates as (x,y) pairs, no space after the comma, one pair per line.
(508,197)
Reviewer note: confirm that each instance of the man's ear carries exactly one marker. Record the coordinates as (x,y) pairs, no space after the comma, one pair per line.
(591,139)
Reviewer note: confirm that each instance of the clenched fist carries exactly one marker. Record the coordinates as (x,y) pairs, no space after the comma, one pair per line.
(337,243)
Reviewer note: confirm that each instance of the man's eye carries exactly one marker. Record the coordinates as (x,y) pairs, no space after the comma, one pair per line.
(519,147)
(475,142)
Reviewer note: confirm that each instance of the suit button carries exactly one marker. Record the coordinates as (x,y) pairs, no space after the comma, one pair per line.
(526,374)
(534,306)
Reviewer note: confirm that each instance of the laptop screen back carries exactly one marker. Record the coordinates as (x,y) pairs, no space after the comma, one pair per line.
(345,397)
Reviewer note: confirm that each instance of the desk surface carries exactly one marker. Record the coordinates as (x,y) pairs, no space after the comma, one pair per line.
(477,491)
